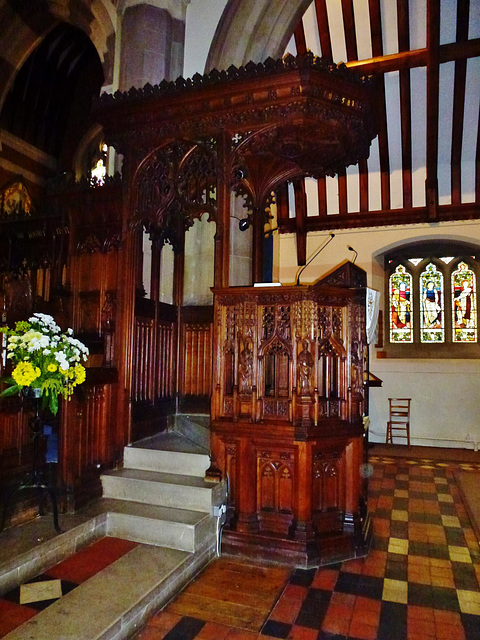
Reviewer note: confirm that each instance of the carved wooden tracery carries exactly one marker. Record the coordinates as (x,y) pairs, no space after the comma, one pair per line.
(188,144)
(284,382)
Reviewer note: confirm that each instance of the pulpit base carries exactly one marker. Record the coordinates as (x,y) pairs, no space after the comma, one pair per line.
(321,551)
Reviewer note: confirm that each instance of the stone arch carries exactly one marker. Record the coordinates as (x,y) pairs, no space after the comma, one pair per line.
(22,31)
(253,30)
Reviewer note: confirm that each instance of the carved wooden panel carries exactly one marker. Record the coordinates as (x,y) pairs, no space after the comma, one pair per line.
(15,437)
(292,407)
(197,370)
(92,439)
(153,371)
(275,489)
(328,481)
(89,312)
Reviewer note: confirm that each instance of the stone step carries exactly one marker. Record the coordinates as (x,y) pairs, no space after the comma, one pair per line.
(180,529)
(103,609)
(164,489)
(195,427)
(169,453)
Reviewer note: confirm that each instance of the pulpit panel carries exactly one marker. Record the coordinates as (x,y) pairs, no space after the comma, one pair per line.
(287,415)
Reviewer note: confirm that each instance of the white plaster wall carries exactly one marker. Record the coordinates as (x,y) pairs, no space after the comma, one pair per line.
(445,392)
(201,22)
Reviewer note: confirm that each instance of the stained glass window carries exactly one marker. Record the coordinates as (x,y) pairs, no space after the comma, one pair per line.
(432,328)
(464,309)
(400,289)
(432,300)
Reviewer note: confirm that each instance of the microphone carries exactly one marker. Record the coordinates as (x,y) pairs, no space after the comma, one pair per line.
(269,232)
(355,252)
(332,235)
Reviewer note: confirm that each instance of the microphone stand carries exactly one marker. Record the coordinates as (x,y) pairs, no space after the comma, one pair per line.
(332,235)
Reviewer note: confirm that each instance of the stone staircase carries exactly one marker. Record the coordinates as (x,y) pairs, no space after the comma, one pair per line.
(159,498)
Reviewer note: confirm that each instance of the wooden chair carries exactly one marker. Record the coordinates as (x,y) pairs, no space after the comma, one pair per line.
(399,419)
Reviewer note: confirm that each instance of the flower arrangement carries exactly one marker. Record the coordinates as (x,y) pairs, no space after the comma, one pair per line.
(45,359)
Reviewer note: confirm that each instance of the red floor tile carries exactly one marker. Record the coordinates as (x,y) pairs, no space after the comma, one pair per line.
(362,631)
(300,633)
(89,561)
(13,615)
(212,631)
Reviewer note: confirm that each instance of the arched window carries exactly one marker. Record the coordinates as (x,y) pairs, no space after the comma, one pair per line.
(431,299)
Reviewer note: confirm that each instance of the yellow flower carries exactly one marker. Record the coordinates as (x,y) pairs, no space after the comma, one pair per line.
(80,373)
(52,367)
(25,373)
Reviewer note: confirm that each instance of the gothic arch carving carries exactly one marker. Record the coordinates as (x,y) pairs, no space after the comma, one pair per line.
(175,184)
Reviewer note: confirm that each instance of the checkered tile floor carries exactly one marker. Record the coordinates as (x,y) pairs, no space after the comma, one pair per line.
(420,580)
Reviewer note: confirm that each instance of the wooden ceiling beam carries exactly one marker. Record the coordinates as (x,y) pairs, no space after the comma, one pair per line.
(405,103)
(416,58)
(363,178)
(463,11)
(323,29)
(433,74)
(322,196)
(381,218)
(301,220)
(377,51)
(300,40)
(477,164)
(350,34)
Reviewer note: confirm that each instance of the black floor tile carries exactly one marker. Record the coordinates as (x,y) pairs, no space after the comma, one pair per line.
(312,617)
(393,621)
(439,551)
(447,509)
(276,629)
(185,629)
(302,577)
(420,595)
(445,598)
(471,626)
(347,582)
(370,587)
(400,503)
(383,513)
(416,548)
(455,536)
(399,529)
(396,570)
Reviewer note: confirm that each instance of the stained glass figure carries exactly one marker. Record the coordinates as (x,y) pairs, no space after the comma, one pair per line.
(464,309)
(400,291)
(432,327)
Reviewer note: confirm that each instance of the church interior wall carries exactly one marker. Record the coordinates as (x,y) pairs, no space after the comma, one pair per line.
(444,392)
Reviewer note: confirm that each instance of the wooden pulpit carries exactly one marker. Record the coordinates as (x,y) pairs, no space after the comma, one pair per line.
(287,418)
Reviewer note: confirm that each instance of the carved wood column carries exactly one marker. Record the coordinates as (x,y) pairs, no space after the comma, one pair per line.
(247,520)
(125,323)
(222,235)
(303,526)
(258,236)
(353,482)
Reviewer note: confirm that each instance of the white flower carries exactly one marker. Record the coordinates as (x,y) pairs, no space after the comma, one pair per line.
(61,358)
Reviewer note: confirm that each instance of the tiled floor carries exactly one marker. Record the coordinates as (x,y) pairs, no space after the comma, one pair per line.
(19,605)
(420,580)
